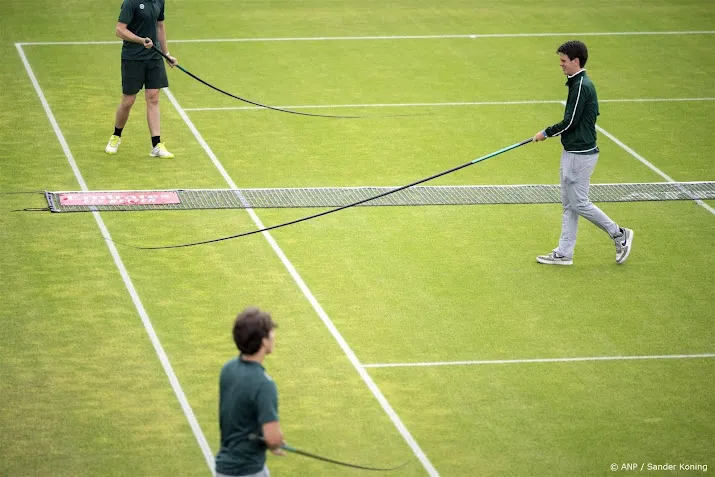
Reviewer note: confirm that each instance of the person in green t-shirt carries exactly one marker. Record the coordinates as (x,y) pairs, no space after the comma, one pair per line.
(248,400)
(141,26)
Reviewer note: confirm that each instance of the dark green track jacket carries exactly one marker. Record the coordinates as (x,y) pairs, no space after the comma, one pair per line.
(578,128)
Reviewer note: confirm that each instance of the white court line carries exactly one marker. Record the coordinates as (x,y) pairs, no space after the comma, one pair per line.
(312,300)
(464,103)
(539,360)
(163,358)
(650,166)
(646,162)
(394,37)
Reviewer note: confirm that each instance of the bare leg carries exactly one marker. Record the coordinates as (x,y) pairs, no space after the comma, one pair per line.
(153,117)
(125,106)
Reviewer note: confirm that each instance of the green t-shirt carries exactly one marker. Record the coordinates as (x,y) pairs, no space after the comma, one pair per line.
(141,16)
(248,398)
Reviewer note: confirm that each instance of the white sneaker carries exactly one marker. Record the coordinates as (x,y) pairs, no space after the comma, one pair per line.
(554,259)
(624,243)
(113,144)
(160,151)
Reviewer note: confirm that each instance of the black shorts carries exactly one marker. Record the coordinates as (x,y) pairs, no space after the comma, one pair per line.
(149,74)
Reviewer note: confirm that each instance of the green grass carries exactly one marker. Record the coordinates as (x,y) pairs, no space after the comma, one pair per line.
(555,419)
(83,392)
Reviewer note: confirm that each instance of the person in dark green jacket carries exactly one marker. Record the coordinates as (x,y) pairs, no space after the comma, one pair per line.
(578,160)
(248,400)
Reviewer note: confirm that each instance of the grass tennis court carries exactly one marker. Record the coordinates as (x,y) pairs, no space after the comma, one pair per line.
(427,334)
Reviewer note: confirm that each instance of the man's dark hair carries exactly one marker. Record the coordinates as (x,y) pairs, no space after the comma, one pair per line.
(575,49)
(249,329)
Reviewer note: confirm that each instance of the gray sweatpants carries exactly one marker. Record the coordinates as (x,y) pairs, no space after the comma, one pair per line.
(575,172)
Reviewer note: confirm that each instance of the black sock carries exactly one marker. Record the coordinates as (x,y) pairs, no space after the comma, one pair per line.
(155,140)
(118,131)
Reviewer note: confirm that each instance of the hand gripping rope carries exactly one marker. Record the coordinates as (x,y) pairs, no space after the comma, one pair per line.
(273,107)
(244,234)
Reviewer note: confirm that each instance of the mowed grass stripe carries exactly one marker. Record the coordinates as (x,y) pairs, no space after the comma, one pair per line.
(146,321)
(390,37)
(442,71)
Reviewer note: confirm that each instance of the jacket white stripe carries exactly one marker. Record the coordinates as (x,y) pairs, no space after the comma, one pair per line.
(574,109)
(586,150)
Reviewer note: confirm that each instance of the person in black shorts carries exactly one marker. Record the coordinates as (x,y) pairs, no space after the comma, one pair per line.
(141,26)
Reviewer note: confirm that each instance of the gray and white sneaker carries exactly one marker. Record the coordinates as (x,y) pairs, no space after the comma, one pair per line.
(554,259)
(624,244)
